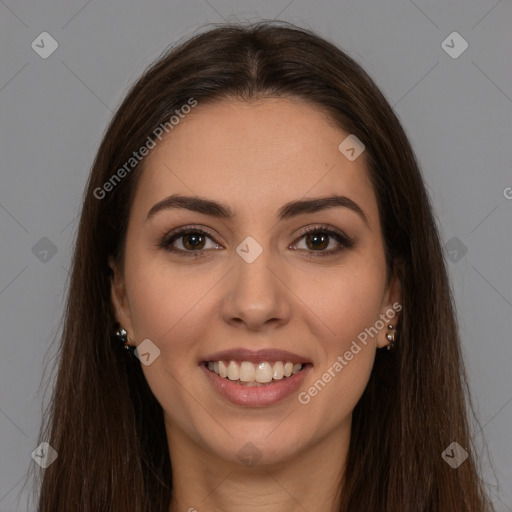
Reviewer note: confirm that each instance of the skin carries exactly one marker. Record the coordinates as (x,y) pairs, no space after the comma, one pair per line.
(255,157)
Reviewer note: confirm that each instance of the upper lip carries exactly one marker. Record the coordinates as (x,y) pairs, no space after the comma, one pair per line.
(256,356)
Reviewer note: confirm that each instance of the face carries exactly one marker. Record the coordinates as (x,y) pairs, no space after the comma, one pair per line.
(272,274)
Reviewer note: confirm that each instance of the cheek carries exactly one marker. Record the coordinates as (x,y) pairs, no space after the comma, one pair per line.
(328,400)
(345,306)
(344,301)
(169,307)
(167,303)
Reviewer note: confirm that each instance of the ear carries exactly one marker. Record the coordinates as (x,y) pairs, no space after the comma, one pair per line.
(392,304)
(119,298)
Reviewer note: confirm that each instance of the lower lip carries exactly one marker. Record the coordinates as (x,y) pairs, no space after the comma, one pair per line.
(256,396)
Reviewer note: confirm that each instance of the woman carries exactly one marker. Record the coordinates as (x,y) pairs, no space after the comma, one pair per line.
(259,315)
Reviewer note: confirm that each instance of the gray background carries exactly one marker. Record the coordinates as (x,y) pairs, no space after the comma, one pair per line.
(457,113)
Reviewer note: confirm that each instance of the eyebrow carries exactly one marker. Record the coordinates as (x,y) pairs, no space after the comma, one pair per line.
(223,211)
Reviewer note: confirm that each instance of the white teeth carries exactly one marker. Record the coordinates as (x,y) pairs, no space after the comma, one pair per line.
(263,372)
(223,371)
(252,374)
(278,370)
(247,372)
(233,371)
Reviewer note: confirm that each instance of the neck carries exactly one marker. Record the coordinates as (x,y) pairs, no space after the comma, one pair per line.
(309,480)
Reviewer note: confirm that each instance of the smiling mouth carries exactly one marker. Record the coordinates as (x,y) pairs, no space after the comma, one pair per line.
(255,374)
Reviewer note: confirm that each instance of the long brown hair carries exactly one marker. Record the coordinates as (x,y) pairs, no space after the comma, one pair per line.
(104,421)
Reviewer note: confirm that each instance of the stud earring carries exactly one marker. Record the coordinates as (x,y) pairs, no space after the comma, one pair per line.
(124,341)
(390,336)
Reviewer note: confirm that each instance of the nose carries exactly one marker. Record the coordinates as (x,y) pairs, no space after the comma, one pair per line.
(256,297)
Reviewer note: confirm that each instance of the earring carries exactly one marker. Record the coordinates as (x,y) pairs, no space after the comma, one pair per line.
(124,341)
(390,336)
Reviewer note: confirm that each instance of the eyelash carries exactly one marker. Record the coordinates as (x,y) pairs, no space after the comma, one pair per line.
(344,241)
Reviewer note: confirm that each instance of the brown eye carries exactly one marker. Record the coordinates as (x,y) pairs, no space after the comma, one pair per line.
(317,241)
(323,241)
(193,241)
(188,242)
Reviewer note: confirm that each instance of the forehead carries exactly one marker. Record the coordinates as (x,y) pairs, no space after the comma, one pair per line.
(255,155)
